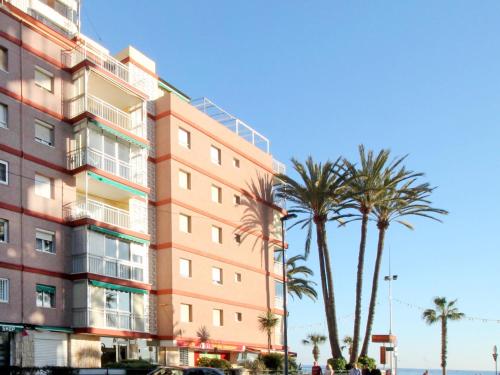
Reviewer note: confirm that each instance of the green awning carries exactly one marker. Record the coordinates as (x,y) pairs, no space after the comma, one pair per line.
(108,181)
(118,134)
(45,288)
(54,329)
(119,235)
(6,327)
(102,284)
(172,89)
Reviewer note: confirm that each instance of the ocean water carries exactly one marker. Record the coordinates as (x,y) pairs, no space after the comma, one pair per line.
(306,369)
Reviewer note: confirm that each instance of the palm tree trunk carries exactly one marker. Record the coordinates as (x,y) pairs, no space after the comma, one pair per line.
(269,341)
(444,341)
(373,299)
(359,288)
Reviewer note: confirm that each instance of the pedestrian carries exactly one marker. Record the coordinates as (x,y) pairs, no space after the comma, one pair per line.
(316,369)
(355,370)
(426,372)
(329,369)
(375,371)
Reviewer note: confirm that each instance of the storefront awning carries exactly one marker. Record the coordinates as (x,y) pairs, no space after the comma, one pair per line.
(118,185)
(118,134)
(54,329)
(102,284)
(6,327)
(117,234)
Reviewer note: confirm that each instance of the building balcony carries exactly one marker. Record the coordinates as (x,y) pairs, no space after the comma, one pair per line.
(114,166)
(105,266)
(105,319)
(278,268)
(102,109)
(278,167)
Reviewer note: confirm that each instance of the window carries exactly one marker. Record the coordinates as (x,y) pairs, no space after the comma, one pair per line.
(237,277)
(4,290)
(184,180)
(216,234)
(4,172)
(184,138)
(4,111)
(45,241)
(186,313)
(45,296)
(185,267)
(44,79)
(185,223)
(44,133)
(237,238)
(4,59)
(238,316)
(217,318)
(184,356)
(216,194)
(4,230)
(43,186)
(236,199)
(117,302)
(118,249)
(236,163)
(215,155)
(217,275)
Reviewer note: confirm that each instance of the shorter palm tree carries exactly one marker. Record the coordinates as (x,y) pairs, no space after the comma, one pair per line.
(443,312)
(347,344)
(267,323)
(203,335)
(314,339)
(298,283)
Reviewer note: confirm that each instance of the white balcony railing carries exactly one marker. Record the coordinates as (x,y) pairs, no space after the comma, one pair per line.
(89,103)
(98,159)
(105,266)
(278,167)
(108,319)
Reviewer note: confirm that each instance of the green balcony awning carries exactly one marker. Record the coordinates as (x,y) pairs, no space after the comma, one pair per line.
(117,234)
(45,288)
(118,134)
(118,185)
(102,284)
(54,329)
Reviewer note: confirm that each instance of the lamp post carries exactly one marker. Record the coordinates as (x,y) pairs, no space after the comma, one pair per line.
(390,279)
(285,333)
(495,356)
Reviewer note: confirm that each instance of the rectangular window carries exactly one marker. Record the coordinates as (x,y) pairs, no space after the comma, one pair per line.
(44,133)
(236,199)
(4,230)
(217,275)
(237,238)
(4,116)
(185,223)
(237,277)
(184,180)
(4,290)
(184,138)
(4,172)
(185,267)
(217,318)
(238,316)
(216,234)
(215,155)
(45,296)
(43,186)
(236,163)
(44,79)
(186,313)
(4,59)
(216,194)
(184,356)
(45,241)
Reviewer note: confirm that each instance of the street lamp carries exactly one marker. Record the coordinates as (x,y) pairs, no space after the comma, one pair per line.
(390,279)
(495,356)
(283,258)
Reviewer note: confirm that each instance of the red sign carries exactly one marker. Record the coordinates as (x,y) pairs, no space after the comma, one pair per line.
(382,355)
(384,339)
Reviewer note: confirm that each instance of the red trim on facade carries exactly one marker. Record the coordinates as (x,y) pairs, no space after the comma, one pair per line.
(11,207)
(11,150)
(114,333)
(43,216)
(129,59)
(38,271)
(45,163)
(87,221)
(10,38)
(111,280)
(30,103)
(221,342)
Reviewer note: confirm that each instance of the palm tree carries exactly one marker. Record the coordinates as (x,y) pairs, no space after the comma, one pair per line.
(267,323)
(397,202)
(367,185)
(315,339)
(203,335)
(347,344)
(443,312)
(298,283)
(319,193)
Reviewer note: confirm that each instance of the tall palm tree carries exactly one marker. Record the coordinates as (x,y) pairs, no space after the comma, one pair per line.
(398,202)
(367,188)
(347,340)
(298,284)
(443,312)
(267,323)
(314,339)
(319,194)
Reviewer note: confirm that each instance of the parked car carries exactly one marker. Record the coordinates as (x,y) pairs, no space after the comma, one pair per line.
(170,370)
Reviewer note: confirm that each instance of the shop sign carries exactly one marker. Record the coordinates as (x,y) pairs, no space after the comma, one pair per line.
(10,328)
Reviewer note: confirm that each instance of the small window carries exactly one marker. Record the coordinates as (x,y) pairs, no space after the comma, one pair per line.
(184,138)
(4,172)
(185,223)
(184,180)
(44,133)
(185,267)
(237,277)
(45,241)
(4,230)
(216,234)
(238,316)
(217,275)
(215,155)
(236,163)
(216,194)
(44,79)
(43,186)
(4,290)
(217,318)
(4,59)
(4,116)
(237,238)
(186,313)
(236,199)
(45,296)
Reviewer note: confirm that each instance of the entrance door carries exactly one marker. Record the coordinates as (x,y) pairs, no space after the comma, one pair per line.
(4,349)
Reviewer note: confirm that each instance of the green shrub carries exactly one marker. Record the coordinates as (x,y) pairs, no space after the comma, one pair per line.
(131,363)
(214,362)
(338,364)
(255,366)
(367,362)
(273,361)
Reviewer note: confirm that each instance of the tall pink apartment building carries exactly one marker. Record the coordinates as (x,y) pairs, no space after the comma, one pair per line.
(131,217)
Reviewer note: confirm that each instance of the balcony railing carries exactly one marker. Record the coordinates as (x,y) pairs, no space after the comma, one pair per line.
(89,103)
(98,159)
(105,266)
(108,319)
(278,167)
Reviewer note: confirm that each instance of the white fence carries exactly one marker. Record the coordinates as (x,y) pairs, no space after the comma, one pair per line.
(100,318)
(99,211)
(107,267)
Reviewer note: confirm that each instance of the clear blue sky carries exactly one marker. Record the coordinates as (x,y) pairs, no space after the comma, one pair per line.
(320,77)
